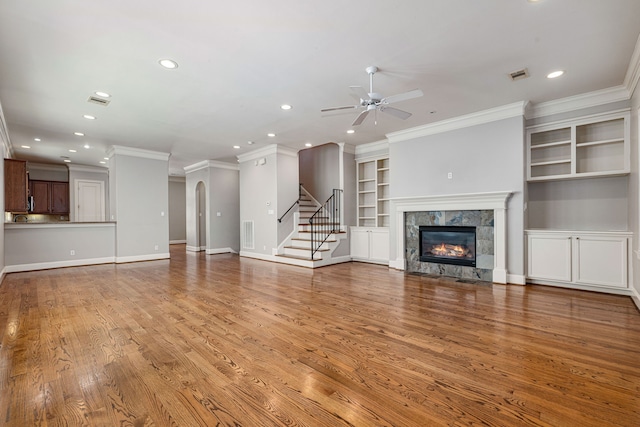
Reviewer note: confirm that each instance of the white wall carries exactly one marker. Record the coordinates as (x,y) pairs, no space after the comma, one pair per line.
(268,186)
(139,203)
(177,209)
(482,158)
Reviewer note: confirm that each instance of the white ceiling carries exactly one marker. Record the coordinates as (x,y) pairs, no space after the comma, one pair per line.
(239,61)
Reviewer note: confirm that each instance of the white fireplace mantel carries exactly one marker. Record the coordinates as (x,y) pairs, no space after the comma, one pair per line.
(496,201)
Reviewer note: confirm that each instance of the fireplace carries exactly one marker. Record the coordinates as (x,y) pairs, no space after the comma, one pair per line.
(448,245)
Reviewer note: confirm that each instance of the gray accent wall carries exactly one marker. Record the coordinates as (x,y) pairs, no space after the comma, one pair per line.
(139,203)
(594,204)
(177,209)
(218,194)
(320,170)
(481,158)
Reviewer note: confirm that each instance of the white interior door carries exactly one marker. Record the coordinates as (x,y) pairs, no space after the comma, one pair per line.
(89,201)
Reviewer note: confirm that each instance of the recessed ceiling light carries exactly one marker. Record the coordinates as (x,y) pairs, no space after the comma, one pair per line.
(351,131)
(103,94)
(271,135)
(73,151)
(102,162)
(555,74)
(250,142)
(106,158)
(308,144)
(67,161)
(78,134)
(168,63)
(236,146)
(286,107)
(86,146)
(89,117)
(25,146)
(37,139)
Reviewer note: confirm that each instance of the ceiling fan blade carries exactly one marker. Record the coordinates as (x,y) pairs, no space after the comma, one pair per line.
(347,107)
(395,112)
(360,118)
(359,90)
(416,93)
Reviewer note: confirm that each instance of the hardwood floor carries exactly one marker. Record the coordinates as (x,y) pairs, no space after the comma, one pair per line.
(220,340)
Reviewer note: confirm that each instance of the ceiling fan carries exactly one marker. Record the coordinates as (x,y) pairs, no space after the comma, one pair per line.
(373,101)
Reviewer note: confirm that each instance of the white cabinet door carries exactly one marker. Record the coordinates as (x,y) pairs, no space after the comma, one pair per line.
(549,257)
(379,244)
(359,243)
(601,261)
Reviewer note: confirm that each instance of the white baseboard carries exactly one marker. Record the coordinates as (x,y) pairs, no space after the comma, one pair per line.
(56,264)
(516,279)
(136,258)
(255,255)
(220,251)
(2,274)
(177,242)
(635,296)
(193,248)
(398,264)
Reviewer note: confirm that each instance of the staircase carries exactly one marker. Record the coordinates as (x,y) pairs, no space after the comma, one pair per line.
(296,250)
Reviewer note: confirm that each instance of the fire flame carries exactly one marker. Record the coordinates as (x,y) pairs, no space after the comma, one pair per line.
(448,250)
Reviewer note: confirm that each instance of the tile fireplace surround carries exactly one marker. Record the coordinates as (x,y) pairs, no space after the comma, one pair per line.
(496,202)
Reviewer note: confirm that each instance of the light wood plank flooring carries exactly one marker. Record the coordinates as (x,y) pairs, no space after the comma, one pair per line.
(220,340)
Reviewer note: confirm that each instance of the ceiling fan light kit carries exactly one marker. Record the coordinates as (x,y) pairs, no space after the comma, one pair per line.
(373,101)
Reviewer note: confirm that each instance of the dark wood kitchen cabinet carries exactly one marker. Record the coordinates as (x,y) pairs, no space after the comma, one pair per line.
(49,197)
(15,185)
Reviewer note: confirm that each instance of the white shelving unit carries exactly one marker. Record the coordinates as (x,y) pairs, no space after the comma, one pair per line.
(595,147)
(588,147)
(373,193)
(370,239)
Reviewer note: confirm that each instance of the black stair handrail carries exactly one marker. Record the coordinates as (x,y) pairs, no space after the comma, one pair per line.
(297,202)
(325,221)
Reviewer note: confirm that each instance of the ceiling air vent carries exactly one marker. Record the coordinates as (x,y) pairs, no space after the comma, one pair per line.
(519,75)
(99,101)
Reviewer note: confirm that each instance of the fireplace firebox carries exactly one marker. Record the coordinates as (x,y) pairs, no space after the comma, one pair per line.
(448,245)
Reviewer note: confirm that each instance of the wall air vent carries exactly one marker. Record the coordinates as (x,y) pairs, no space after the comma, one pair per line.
(519,75)
(247,235)
(99,101)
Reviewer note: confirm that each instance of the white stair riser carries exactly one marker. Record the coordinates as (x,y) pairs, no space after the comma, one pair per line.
(306,244)
(302,252)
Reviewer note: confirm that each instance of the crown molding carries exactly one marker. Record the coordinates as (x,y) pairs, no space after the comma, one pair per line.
(267,151)
(47,167)
(136,152)
(206,164)
(577,102)
(633,71)
(90,169)
(346,148)
(178,178)
(372,147)
(486,116)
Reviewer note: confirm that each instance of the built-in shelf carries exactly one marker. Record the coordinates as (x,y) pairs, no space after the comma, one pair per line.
(587,147)
(373,192)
